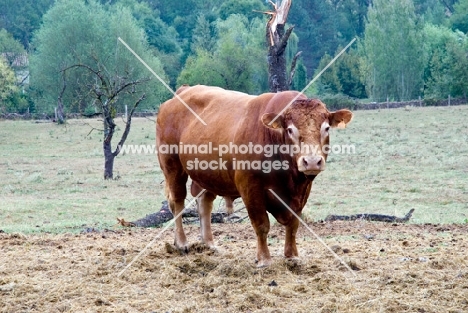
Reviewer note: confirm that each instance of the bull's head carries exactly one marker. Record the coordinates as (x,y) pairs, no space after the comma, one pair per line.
(305,125)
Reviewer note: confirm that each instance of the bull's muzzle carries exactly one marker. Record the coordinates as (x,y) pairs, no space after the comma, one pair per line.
(310,164)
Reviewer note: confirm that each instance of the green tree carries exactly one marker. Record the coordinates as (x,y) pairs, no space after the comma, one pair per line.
(79,60)
(204,35)
(22,18)
(7,82)
(354,13)
(459,18)
(446,62)
(201,68)
(237,60)
(392,49)
(162,37)
(322,26)
(329,81)
(10,48)
(179,14)
(316,27)
(349,74)
(15,58)
(343,77)
(432,11)
(248,8)
(79,32)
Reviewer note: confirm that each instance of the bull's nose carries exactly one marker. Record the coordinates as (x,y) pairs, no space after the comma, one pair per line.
(311,164)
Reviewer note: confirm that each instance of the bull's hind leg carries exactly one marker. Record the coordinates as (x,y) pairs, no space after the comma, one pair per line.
(229,205)
(176,192)
(205,206)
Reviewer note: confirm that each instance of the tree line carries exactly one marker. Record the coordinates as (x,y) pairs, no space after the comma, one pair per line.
(51,50)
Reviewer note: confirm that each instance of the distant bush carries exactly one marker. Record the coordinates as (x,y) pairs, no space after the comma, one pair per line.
(19,103)
(338,101)
(432,101)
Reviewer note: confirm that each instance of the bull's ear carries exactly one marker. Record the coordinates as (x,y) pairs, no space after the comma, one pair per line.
(272,120)
(340,118)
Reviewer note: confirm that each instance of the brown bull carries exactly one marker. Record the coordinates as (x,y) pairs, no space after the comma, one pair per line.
(244,124)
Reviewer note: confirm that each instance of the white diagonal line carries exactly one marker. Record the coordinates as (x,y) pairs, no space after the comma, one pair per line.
(313,80)
(316,236)
(161,80)
(159,234)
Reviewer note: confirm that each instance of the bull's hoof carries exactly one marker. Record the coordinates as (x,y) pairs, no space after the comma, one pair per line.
(182,248)
(263,263)
(200,247)
(215,250)
(212,247)
(173,249)
(292,261)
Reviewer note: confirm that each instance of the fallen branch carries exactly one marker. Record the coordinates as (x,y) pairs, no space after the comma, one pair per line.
(124,223)
(165,215)
(371,217)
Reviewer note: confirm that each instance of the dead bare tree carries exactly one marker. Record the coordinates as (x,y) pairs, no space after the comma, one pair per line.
(277,39)
(106,90)
(60,116)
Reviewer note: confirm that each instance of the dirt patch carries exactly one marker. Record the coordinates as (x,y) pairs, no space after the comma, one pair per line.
(396,268)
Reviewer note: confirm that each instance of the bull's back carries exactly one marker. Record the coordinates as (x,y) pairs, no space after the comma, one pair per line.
(221,110)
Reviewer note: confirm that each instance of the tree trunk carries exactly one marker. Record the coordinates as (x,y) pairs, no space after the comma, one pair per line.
(277,40)
(109,156)
(109,128)
(108,160)
(277,67)
(60,114)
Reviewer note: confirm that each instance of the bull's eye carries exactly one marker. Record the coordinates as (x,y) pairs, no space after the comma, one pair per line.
(327,128)
(290,131)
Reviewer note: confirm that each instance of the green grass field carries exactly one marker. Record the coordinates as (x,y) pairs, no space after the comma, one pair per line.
(52,176)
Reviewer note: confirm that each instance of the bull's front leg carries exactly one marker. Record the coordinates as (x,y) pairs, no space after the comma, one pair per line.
(261,225)
(290,248)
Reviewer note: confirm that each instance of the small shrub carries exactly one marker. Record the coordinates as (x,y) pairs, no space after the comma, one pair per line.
(338,101)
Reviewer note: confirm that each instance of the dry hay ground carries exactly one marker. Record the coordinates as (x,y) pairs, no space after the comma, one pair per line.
(398,268)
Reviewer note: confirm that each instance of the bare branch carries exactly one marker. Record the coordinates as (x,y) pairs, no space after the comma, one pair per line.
(124,86)
(293,68)
(98,73)
(151,119)
(284,41)
(127,126)
(23,80)
(92,129)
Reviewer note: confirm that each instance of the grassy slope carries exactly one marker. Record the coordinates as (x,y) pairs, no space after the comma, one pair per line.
(52,175)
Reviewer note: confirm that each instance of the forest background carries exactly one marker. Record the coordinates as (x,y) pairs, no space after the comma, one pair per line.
(405,49)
